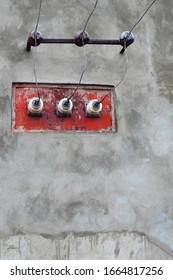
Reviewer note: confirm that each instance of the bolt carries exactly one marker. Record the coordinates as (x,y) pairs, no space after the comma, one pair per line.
(66,103)
(37,102)
(96,104)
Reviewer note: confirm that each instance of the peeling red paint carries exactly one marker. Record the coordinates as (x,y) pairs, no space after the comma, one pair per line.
(50,94)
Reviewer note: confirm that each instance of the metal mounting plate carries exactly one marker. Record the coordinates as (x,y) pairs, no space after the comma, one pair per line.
(49,121)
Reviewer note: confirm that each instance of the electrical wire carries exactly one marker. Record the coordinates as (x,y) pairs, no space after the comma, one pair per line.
(90,15)
(142,16)
(85,57)
(35,76)
(124,72)
(35,39)
(38,18)
(85,67)
(125,52)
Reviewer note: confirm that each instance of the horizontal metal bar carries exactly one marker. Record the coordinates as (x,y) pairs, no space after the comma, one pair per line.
(78,41)
(57,41)
(104,42)
(71,41)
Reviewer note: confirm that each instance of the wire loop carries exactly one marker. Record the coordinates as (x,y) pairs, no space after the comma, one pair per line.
(125,47)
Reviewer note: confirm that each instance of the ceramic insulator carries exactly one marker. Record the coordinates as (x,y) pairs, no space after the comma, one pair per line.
(33,108)
(65,109)
(93,110)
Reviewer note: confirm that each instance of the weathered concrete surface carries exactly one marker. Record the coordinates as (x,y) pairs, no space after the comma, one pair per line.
(56,183)
(112,245)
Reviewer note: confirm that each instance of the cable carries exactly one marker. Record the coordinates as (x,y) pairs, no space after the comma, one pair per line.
(125,47)
(124,72)
(86,62)
(142,16)
(38,18)
(85,66)
(90,15)
(35,75)
(126,64)
(35,39)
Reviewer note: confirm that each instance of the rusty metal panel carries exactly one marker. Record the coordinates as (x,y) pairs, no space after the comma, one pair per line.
(49,121)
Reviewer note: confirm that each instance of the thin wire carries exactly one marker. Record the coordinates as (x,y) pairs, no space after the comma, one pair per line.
(35,39)
(126,64)
(85,56)
(125,47)
(142,16)
(124,72)
(35,76)
(38,18)
(90,15)
(85,67)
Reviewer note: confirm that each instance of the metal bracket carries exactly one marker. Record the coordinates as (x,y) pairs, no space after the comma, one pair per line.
(82,38)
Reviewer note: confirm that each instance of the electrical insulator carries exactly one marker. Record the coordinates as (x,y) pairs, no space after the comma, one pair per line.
(93,109)
(38,37)
(82,38)
(64,108)
(129,37)
(35,107)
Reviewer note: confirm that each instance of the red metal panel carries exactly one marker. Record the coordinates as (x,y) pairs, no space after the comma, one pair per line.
(49,121)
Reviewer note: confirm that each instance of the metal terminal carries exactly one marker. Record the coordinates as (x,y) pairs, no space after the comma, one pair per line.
(82,38)
(35,107)
(64,108)
(32,41)
(127,37)
(93,109)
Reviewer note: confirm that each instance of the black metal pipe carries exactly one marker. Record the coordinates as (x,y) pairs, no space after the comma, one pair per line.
(31,42)
(104,42)
(72,41)
(57,41)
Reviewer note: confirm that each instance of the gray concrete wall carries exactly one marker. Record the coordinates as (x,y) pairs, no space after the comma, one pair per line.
(82,246)
(54,183)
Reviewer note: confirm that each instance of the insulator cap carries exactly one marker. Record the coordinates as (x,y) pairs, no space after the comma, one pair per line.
(35,107)
(81,38)
(94,108)
(128,37)
(64,107)
(39,38)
